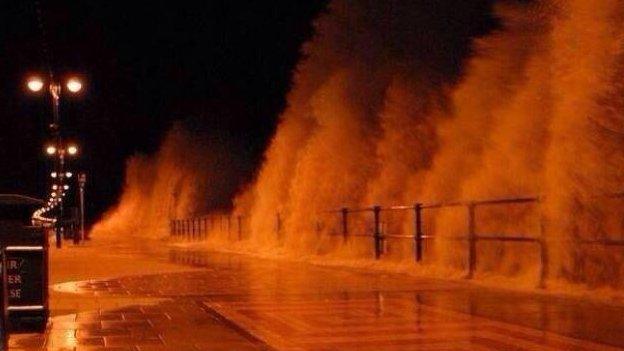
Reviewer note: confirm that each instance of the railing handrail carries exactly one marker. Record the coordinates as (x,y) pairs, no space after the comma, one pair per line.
(198,227)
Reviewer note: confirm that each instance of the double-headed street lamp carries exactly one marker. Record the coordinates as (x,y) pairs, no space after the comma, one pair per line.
(73,85)
(57,148)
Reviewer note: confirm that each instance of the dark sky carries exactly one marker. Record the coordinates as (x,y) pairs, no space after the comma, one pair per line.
(145,65)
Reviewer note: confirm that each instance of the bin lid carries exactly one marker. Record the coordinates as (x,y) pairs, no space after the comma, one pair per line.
(16,199)
(18,208)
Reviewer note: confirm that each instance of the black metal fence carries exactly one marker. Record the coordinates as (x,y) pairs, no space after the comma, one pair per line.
(386,226)
(198,228)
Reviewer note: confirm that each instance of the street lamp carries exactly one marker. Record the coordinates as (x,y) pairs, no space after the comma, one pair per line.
(58,149)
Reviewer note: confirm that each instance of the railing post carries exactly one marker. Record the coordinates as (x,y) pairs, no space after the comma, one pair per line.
(543,254)
(229,225)
(197,224)
(418,234)
(377,233)
(240,228)
(345,228)
(202,227)
(278,226)
(192,228)
(188,228)
(472,242)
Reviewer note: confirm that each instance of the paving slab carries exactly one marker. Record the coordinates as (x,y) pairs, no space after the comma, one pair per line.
(197,300)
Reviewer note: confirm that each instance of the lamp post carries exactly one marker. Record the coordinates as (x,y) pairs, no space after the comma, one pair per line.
(82,180)
(58,148)
(60,151)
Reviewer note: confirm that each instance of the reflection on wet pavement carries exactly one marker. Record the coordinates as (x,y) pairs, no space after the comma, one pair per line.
(245,303)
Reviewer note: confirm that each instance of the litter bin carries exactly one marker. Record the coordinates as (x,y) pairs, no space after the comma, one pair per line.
(24,265)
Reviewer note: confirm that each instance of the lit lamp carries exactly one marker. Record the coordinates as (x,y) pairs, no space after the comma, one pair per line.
(72,150)
(35,84)
(74,85)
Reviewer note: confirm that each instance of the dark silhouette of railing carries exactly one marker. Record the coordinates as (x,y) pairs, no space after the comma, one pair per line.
(347,224)
(198,228)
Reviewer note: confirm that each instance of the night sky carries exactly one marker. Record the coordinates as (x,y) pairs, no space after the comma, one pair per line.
(221,66)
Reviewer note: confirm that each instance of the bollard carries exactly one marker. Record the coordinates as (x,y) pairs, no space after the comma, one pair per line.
(472,242)
(377,234)
(345,228)
(418,235)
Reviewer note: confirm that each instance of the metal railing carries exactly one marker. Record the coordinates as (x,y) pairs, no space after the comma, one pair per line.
(376,223)
(198,228)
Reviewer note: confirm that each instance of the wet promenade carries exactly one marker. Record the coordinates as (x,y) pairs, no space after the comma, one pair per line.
(191,300)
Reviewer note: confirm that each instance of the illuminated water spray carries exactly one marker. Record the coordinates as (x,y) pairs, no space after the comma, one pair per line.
(377,115)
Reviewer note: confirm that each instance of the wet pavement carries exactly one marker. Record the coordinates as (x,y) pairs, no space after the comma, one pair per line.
(236,302)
